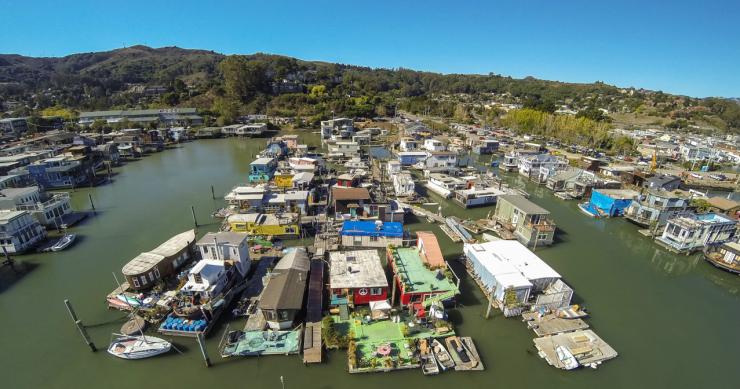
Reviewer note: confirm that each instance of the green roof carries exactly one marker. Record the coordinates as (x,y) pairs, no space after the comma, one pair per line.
(415,277)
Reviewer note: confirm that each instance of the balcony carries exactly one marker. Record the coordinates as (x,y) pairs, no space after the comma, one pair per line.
(55,200)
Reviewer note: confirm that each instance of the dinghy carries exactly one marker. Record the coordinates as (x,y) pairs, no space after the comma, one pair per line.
(566,358)
(428,362)
(138,347)
(63,243)
(443,357)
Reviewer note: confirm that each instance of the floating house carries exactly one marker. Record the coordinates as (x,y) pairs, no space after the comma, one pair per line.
(725,257)
(441,161)
(19,231)
(247,198)
(147,269)
(529,222)
(403,184)
(356,278)
(282,225)
(305,163)
(393,167)
(432,144)
(262,169)
(443,184)
(663,182)
(416,282)
(349,201)
(344,149)
(282,298)
(686,234)
(477,196)
(371,233)
(608,202)
(655,207)
(49,210)
(408,144)
(59,172)
(486,146)
(725,206)
(226,246)
(509,272)
(529,166)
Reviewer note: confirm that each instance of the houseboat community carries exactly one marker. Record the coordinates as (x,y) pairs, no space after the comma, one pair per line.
(365,283)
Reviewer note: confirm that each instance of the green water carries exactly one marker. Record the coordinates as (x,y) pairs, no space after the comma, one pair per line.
(673,319)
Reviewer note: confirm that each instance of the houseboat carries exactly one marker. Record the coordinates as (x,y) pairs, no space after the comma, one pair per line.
(356,278)
(443,184)
(19,231)
(725,256)
(282,297)
(687,234)
(655,207)
(371,233)
(528,222)
(608,202)
(476,197)
(262,169)
(403,185)
(149,268)
(279,225)
(510,272)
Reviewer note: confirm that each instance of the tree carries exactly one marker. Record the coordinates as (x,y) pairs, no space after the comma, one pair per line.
(227,110)
(243,78)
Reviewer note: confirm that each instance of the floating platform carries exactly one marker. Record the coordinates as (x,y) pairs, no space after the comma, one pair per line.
(258,343)
(587,347)
(312,343)
(552,324)
(134,326)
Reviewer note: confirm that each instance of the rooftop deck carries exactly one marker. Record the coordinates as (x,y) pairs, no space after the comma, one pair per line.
(415,276)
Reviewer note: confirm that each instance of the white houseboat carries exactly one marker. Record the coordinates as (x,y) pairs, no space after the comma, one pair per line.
(443,184)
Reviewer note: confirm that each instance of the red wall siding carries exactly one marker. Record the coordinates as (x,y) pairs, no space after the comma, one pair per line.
(366,299)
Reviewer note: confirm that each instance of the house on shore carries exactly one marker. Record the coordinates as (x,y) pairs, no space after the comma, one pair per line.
(356,278)
(282,298)
(530,223)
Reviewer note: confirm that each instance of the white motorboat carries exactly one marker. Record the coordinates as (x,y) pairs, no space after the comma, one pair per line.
(566,358)
(64,242)
(138,346)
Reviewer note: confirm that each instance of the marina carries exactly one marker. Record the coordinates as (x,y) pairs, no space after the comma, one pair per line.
(501,339)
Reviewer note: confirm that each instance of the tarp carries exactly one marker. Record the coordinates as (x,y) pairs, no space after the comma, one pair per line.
(370,228)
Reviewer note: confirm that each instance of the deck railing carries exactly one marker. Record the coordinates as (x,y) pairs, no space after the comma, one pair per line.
(40,206)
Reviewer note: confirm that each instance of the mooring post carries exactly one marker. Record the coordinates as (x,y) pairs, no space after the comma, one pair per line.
(80,326)
(195,221)
(213,193)
(490,303)
(92,204)
(201,344)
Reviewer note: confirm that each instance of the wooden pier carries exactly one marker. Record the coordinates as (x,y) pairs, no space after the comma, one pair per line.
(552,324)
(587,347)
(312,343)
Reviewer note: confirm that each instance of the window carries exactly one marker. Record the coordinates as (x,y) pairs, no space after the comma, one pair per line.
(136,282)
(376,291)
(541,236)
(151,276)
(373,238)
(156,272)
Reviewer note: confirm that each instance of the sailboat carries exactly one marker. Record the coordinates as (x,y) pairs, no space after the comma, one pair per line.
(138,346)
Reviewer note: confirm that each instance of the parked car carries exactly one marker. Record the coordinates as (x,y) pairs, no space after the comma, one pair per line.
(697,176)
(718,177)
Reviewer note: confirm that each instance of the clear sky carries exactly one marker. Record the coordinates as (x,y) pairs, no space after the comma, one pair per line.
(685,47)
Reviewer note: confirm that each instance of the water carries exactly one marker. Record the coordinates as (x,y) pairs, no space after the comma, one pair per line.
(673,319)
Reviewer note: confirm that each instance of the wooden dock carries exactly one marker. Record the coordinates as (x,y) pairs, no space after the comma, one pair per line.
(419,211)
(587,347)
(312,343)
(552,324)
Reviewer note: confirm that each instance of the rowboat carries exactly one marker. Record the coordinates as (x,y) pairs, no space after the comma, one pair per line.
(460,352)
(64,242)
(443,357)
(428,362)
(138,347)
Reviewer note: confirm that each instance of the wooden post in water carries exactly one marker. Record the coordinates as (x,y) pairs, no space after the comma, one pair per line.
(92,204)
(80,326)
(195,221)
(201,344)
(213,193)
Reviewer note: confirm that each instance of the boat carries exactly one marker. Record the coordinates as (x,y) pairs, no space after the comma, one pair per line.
(589,210)
(64,242)
(459,350)
(566,358)
(443,357)
(138,347)
(428,362)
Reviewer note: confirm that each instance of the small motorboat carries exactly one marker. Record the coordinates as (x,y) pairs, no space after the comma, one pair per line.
(566,358)
(64,242)
(443,357)
(428,362)
(588,210)
(138,346)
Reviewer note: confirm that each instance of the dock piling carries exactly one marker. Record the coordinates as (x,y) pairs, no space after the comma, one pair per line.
(80,326)
(195,221)
(213,193)
(92,204)
(202,346)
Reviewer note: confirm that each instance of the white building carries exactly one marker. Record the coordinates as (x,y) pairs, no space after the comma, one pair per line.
(441,161)
(207,278)
(19,231)
(344,149)
(394,167)
(408,144)
(403,184)
(686,234)
(226,246)
(433,145)
(507,266)
(529,166)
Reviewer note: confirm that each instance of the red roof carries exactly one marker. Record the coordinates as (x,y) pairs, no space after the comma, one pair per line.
(431,253)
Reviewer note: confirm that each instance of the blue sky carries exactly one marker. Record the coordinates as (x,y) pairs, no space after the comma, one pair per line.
(679,46)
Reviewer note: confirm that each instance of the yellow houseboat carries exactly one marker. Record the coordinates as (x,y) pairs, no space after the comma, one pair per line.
(265,224)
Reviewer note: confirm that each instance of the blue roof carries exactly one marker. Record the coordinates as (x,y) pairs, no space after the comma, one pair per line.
(368,228)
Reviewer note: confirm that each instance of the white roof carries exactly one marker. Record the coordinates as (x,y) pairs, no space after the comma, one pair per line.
(356,269)
(262,161)
(509,256)
(175,244)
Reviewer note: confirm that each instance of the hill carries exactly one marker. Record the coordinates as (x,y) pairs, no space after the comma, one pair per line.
(141,76)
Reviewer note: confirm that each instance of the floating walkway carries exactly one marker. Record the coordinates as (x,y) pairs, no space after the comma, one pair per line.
(552,324)
(587,348)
